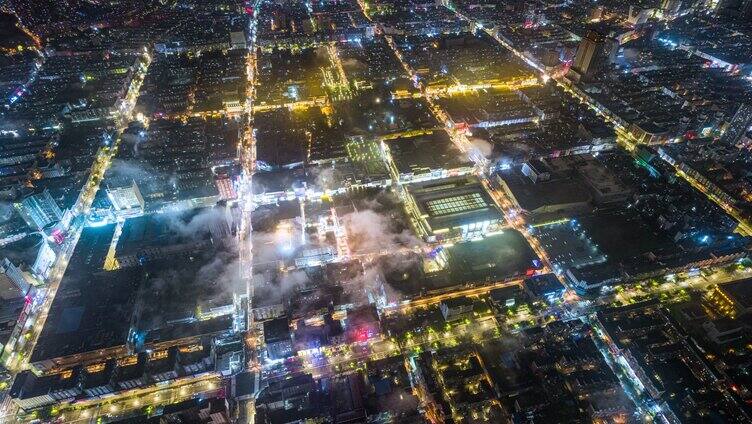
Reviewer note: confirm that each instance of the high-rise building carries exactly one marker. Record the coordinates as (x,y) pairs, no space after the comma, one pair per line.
(13,283)
(39,210)
(226,188)
(126,197)
(593,54)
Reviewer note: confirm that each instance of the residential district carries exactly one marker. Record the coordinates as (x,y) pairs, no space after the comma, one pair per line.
(376,211)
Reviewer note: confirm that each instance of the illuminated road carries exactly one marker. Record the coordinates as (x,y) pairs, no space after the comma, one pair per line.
(422,302)
(346,358)
(133,402)
(247,157)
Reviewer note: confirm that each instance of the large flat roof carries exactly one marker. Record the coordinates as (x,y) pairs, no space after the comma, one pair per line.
(533,196)
(91,311)
(453,202)
(160,299)
(494,258)
(425,153)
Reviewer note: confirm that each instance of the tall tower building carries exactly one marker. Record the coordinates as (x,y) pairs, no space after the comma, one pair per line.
(593,54)
(39,210)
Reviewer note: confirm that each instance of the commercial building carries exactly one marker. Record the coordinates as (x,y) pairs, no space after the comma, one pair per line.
(563,187)
(593,55)
(456,309)
(588,278)
(426,157)
(39,210)
(731,299)
(126,197)
(157,285)
(506,297)
(108,377)
(277,338)
(454,208)
(30,391)
(549,199)
(546,287)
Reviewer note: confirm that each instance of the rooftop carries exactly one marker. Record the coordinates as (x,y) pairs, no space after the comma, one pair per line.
(426,154)
(454,202)
(493,258)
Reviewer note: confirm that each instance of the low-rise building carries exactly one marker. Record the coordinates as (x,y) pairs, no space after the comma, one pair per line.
(546,287)
(456,309)
(277,338)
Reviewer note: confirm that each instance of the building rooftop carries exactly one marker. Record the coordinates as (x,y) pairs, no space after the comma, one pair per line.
(740,291)
(163,289)
(545,285)
(426,154)
(92,312)
(277,330)
(493,258)
(450,203)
